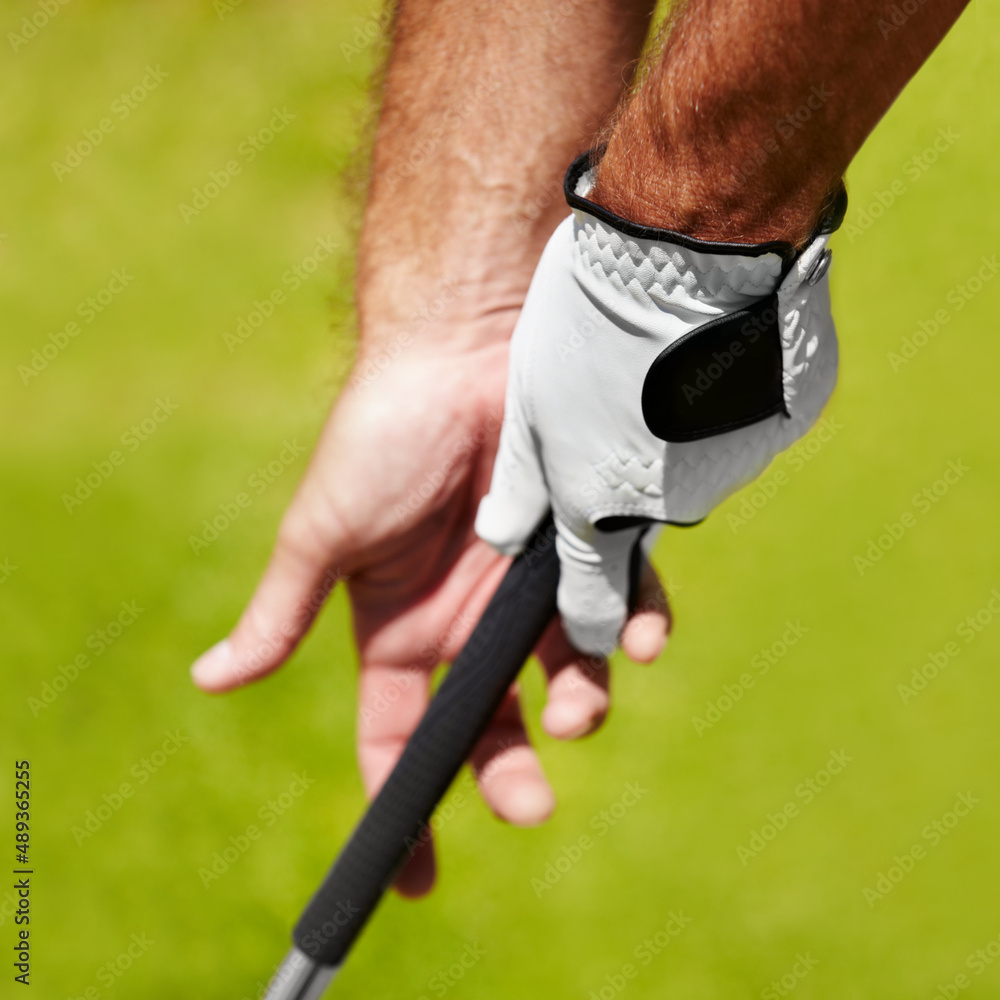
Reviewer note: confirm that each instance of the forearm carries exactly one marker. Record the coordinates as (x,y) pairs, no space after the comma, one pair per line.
(484,106)
(753,111)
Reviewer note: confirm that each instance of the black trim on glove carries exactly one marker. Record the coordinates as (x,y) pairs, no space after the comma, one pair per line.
(830,220)
(727,373)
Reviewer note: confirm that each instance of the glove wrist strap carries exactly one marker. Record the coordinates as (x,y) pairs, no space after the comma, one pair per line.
(578,183)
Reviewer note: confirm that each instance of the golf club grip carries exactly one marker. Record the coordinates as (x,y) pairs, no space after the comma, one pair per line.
(457,716)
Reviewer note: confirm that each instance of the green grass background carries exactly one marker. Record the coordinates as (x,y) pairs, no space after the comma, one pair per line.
(676,850)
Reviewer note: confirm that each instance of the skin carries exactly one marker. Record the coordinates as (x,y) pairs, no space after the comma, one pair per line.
(466,189)
(751,112)
(454,231)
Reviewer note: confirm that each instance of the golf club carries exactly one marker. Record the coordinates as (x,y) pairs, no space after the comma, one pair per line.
(457,716)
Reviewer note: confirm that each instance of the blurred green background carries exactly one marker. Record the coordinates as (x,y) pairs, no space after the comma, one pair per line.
(225,410)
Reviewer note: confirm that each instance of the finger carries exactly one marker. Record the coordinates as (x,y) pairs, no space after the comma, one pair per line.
(508,771)
(645,634)
(594,586)
(578,698)
(416,877)
(298,578)
(391,702)
(517,499)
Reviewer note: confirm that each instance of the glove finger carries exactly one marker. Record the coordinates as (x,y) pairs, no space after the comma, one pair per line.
(594,586)
(517,499)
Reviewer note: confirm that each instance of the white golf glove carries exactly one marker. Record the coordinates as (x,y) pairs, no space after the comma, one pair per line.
(651,376)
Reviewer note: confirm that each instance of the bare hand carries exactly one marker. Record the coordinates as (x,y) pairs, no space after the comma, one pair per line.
(389,501)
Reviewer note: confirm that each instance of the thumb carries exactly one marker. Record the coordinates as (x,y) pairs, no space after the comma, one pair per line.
(301,573)
(594,578)
(517,499)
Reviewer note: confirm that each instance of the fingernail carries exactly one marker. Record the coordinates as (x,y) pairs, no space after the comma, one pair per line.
(214,667)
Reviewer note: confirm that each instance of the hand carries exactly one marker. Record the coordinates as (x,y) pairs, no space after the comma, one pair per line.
(652,375)
(388,501)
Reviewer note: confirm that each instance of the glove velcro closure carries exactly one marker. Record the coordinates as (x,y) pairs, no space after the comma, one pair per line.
(723,375)
(731,370)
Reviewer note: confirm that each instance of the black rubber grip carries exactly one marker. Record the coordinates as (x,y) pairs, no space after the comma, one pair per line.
(491,659)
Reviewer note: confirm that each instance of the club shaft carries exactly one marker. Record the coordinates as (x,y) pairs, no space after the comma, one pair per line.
(299,978)
(395,823)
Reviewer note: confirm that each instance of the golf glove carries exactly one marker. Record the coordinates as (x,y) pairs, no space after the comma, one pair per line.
(651,376)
